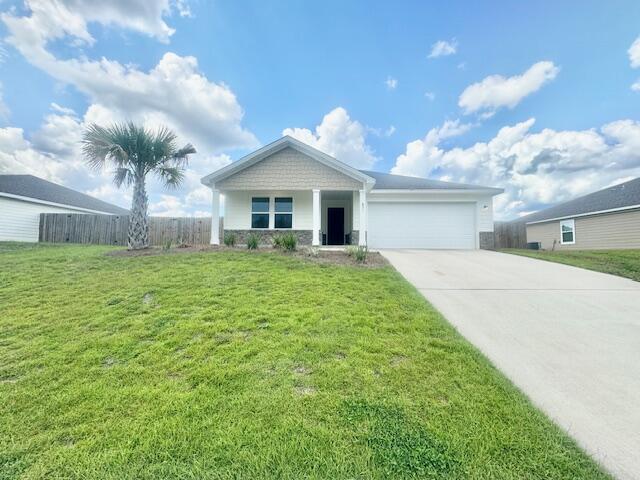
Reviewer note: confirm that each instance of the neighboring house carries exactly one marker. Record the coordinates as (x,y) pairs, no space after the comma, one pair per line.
(290,186)
(24,197)
(609,218)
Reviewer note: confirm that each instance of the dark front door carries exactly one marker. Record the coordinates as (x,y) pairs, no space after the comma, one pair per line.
(335,226)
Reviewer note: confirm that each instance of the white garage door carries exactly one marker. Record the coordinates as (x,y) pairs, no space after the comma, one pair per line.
(422,225)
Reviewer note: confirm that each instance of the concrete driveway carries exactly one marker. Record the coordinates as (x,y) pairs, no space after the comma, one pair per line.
(569,338)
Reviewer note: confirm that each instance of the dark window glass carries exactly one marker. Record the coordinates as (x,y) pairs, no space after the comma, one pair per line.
(260,204)
(259,220)
(284,205)
(283,220)
(567,237)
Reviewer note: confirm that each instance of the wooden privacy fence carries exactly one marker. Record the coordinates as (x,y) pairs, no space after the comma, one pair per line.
(510,235)
(112,229)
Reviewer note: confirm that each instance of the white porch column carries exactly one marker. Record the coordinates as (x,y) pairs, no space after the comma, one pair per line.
(315,238)
(362,235)
(215,217)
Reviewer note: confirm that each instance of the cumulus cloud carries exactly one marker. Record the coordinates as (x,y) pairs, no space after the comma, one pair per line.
(496,91)
(391,83)
(442,48)
(4,110)
(423,155)
(340,137)
(634,53)
(173,93)
(537,169)
(634,59)
(54,19)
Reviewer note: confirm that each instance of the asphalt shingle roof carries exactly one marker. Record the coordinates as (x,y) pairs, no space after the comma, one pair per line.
(37,188)
(389,181)
(619,196)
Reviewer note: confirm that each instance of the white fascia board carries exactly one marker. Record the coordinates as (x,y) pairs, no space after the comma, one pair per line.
(588,214)
(53,204)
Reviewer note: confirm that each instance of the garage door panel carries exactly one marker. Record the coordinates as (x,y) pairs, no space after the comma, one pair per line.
(422,225)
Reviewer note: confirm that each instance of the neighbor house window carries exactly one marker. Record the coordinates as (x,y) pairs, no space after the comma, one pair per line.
(260,212)
(567,232)
(284,212)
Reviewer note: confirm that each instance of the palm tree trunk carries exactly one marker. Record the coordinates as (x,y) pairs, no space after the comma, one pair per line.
(138,222)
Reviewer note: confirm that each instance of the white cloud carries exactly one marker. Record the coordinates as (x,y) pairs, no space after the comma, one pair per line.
(496,91)
(422,155)
(54,19)
(4,110)
(391,83)
(536,169)
(442,48)
(173,93)
(340,137)
(634,59)
(430,96)
(634,53)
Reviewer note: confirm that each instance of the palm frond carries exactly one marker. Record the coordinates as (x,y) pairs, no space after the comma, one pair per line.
(170,176)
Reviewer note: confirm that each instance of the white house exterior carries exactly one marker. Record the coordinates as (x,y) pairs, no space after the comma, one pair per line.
(290,186)
(24,197)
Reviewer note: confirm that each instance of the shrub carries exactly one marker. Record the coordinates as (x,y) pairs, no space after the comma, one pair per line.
(287,241)
(358,253)
(230,239)
(253,240)
(166,245)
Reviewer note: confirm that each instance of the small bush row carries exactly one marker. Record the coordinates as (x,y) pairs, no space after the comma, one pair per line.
(286,241)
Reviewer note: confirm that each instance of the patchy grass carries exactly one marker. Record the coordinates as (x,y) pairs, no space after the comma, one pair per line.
(242,365)
(624,263)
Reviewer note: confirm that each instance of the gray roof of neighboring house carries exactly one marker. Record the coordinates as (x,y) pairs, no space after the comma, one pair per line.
(619,196)
(39,189)
(388,181)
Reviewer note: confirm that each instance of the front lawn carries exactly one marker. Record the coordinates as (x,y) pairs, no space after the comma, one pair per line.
(248,365)
(624,263)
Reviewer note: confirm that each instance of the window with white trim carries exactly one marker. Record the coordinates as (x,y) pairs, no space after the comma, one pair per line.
(260,212)
(283,212)
(567,232)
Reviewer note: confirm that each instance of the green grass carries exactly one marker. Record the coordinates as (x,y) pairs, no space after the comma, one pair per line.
(248,365)
(624,263)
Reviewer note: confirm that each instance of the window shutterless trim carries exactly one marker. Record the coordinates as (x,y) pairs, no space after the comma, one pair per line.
(572,224)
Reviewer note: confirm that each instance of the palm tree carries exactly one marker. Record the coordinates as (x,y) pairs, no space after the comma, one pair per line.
(135,151)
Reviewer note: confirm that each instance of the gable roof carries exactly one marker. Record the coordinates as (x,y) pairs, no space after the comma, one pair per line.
(389,181)
(37,189)
(618,197)
(281,144)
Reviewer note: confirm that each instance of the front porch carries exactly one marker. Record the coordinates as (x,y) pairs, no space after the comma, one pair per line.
(327,218)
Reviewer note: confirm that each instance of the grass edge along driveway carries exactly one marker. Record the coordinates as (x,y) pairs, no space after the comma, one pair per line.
(249,365)
(624,263)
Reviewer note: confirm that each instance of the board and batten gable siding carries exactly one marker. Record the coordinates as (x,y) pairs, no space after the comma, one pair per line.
(237,208)
(20,220)
(606,231)
(288,169)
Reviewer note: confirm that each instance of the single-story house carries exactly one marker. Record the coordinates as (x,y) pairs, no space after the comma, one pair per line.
(24,197)
(606,219)
(290,186)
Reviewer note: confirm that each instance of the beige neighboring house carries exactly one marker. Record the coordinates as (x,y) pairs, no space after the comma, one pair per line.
(288,186)
(606,219)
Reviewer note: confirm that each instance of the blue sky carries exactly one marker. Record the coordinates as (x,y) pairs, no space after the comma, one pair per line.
(537,98)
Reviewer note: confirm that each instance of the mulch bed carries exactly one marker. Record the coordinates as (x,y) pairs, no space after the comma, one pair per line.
(329,257)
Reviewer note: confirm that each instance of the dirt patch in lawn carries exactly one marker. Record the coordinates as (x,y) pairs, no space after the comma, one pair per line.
(329,257)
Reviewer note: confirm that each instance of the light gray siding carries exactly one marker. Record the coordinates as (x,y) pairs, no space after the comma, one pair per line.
(607,231)
(288,169)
